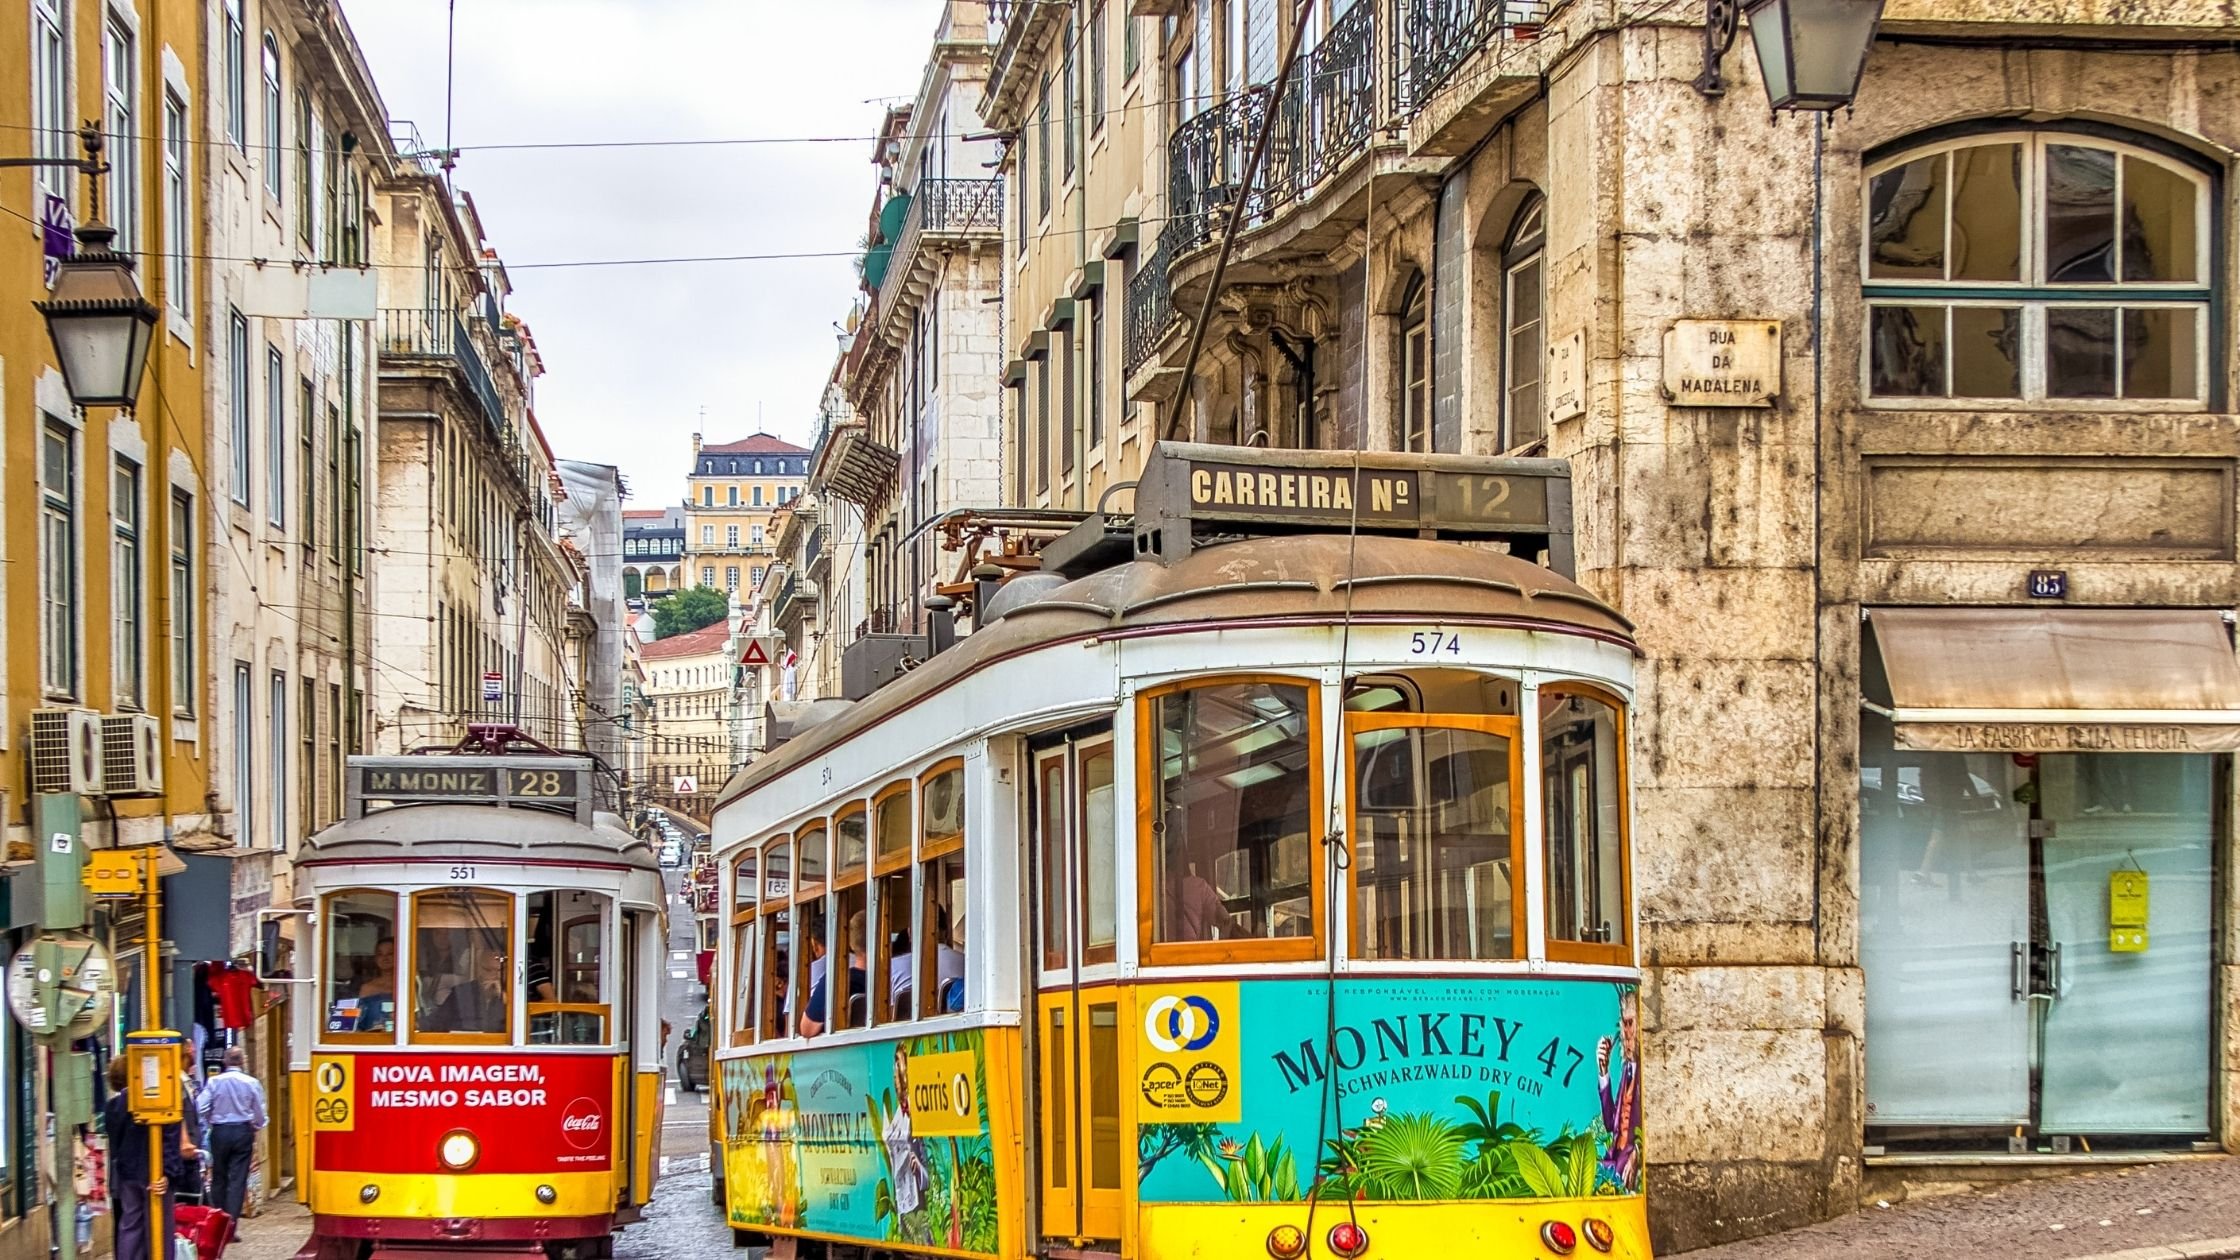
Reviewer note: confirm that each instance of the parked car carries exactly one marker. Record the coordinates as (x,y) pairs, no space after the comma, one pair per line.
(692,1055)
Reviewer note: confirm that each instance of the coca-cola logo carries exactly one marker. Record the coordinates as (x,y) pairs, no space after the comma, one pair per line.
(583,1123)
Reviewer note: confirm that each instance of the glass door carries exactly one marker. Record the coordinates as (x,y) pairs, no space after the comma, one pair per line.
(1074,827)
(1945,934)
(2127,1034)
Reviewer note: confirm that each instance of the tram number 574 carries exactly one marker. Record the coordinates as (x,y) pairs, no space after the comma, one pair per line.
(1434,643)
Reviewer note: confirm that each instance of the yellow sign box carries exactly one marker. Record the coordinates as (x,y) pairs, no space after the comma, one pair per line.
(944,1095)
(1188,1054)
(333,1104)
(2127,912)
(113,873)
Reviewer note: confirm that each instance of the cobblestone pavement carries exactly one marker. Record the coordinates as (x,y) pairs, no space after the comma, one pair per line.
(2060,1218)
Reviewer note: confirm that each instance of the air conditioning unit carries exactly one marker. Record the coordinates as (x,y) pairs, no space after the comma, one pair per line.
(66,751)
(131,754)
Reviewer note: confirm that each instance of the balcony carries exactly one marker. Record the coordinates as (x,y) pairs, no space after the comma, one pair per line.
(850,464)
(1150,310)
(796,600)
(813,551)
(1381,65)
(942,212)
(441,337)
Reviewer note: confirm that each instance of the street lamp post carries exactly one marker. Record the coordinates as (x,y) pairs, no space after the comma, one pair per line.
(1811,53)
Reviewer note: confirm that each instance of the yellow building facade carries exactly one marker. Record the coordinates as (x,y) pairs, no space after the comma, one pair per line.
(102,547)
(732,495)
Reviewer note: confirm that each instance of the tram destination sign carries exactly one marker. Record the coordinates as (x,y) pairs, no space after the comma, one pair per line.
(1193,492)
(558,783)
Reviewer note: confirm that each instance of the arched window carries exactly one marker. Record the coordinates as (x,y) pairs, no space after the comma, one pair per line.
(1524,414)
(2039,267)
(1415,368)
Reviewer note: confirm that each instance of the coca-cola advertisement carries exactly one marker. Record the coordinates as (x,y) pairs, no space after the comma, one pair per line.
(527,1112)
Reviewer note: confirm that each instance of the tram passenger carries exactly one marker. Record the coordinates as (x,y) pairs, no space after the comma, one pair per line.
(377,993)
(813,1016)
(948,967)
(1198,914)
(479,1005)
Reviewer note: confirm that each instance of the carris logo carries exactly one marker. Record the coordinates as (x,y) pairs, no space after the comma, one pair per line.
(582,1123)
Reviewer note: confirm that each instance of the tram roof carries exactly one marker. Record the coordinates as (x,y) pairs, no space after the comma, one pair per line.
(1299,579)
(481,832)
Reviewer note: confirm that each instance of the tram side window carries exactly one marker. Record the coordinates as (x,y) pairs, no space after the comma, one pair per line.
(849,999)
(462,964)
(1582,766)
(889,985)
(746,965)
(565,975)
(776,953)
(938,961)
(361,997)
(1231,847)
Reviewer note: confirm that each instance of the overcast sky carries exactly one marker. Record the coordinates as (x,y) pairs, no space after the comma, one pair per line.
(632,354)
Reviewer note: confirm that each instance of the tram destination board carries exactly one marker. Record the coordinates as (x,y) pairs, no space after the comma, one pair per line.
(1191,492)
(556,783)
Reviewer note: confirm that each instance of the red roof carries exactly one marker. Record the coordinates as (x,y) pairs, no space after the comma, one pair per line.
(644,514)
(759,444)
(698,643)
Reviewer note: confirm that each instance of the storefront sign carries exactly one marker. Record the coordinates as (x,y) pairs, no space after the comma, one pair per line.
(1567,376)
(1722,362)
(2065,737)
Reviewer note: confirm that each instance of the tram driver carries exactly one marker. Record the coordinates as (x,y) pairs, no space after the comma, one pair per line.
(480,1005)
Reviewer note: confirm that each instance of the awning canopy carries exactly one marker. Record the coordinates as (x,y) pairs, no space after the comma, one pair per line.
(2060,679)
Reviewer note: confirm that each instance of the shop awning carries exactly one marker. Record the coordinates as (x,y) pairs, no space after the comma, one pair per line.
(2060,679)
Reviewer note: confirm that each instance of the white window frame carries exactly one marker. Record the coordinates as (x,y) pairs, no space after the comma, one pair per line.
(120,117)
(237,77)
(244,755)
(2032,296)
(60,610)
(239,382)
(54,133)
(275,436)
(179,567)
(731,537)
(275,151)
(128,582)
(277,718)
(178,249)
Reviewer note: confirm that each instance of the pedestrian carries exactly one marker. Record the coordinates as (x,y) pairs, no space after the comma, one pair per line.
(233,1114)
(131,1180)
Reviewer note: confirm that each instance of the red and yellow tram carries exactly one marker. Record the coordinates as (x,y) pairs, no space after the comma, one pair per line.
(479,1066)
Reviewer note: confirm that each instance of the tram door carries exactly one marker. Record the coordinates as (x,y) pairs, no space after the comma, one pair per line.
(1073,829)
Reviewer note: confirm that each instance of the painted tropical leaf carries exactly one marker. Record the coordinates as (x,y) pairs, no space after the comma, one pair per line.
(1286,1179)
(1579,1173)
(1542,1179)
(1413,1156)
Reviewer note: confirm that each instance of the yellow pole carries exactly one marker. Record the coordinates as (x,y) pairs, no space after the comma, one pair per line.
(151,1017)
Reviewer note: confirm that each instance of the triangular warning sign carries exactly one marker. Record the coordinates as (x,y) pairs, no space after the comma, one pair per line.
(754,655)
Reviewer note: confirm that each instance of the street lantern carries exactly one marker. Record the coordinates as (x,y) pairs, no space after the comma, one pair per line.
(101,325)
(1812,52)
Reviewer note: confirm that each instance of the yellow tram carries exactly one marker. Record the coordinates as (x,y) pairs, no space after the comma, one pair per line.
(1254,882)
(479,1064)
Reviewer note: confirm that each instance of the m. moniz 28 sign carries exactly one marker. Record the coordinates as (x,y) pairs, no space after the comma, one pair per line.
(1211,490)
(559,783)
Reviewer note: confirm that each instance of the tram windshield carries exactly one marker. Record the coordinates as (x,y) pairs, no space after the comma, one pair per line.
(361,970)
(1233,813)
(462,966)
(1582,763)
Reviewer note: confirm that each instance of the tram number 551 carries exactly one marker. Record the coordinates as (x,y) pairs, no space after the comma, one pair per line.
(1434,643)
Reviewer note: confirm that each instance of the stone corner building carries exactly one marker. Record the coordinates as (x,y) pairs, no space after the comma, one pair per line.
(1934,634)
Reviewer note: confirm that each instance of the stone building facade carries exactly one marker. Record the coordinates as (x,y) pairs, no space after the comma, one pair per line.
(731,494)
(1908,614)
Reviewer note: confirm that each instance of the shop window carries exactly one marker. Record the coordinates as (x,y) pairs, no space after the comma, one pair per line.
(564,977)
(462,966)
(1230,817)
(361,970)
(1435,771)
(2037,267)
(1582,793)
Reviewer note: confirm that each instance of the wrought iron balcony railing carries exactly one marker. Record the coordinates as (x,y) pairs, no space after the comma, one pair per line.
(1442,34)
(413,333)
(1150,309)
(941,208)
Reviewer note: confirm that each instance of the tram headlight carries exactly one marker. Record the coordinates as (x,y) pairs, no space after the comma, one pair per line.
(367,1194)
(1348,1239)
(458,1150)
(547,1195)
(1287,1242)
